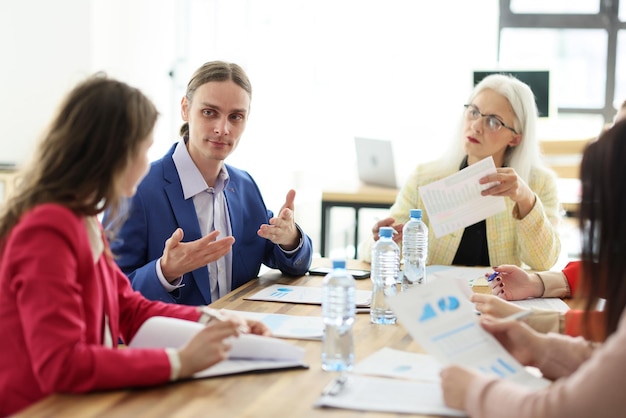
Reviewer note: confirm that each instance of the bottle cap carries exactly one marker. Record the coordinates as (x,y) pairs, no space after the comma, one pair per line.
(385,232)
(416,213)
(339,264)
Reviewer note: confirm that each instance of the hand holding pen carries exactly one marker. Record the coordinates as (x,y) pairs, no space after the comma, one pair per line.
(511,282)
(243,325)
(207,347)
(491,277)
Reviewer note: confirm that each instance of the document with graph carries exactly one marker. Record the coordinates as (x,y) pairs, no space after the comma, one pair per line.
(442,320)
(303,294)
(455,202)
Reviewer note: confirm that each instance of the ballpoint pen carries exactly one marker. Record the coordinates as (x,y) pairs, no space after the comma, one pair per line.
(492,276)
(335,386)
(210,314)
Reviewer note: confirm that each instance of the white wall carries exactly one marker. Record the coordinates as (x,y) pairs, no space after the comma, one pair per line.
(48,46)
(45,49)
(139,41)
(322,72)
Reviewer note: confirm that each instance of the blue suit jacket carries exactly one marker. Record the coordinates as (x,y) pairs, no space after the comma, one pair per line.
(158,208)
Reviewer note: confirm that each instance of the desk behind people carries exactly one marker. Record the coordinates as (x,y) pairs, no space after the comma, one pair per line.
(275,394)
(7,178)
(358,197)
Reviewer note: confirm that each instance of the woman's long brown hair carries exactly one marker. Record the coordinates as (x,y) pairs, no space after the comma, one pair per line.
(89,143)
(603,225)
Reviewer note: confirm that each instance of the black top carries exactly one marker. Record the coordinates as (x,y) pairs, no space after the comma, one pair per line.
(473,249)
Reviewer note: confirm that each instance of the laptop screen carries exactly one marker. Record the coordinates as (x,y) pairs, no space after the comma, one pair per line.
(375,162)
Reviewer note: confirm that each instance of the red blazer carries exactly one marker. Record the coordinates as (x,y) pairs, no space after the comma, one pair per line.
(53,302)
(574,318)
(572,274)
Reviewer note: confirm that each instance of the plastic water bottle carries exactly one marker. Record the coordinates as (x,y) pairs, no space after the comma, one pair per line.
(385,273)
(414,250)
(338,309)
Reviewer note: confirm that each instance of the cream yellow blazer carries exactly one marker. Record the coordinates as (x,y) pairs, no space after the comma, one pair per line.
(532,242)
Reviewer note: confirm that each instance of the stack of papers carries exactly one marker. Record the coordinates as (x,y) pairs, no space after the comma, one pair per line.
(390,381)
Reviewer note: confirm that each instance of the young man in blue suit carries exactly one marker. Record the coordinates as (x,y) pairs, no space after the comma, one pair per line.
(199,228)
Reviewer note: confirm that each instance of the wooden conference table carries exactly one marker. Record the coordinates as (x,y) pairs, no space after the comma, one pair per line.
(276,394)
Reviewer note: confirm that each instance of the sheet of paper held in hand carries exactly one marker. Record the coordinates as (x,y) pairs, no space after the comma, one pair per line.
(455,202)
(442,320)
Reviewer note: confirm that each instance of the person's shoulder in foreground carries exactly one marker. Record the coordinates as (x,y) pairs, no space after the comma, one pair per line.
(589,377)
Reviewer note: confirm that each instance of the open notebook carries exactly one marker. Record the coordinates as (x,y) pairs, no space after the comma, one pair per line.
(375,162)
(249,352)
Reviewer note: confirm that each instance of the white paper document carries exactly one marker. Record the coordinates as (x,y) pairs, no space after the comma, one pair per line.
(551,304)
(398,364)
(289,326)
(365,393)
(442,320)
(455,202)
(390,380)
(249,352)
(303,294)
(470,275)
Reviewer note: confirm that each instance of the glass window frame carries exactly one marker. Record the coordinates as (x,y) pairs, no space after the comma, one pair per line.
(606,19)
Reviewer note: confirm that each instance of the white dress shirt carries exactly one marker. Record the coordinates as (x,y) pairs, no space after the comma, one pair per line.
(212,213)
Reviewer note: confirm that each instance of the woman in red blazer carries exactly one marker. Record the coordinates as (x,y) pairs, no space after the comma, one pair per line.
(64,304)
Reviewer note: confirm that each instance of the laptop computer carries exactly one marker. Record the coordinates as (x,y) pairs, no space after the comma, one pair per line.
(375,162)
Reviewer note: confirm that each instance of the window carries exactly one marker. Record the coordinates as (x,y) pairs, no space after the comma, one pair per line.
(581,41)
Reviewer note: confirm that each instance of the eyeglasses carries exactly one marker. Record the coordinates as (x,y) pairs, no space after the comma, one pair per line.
(493,122)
